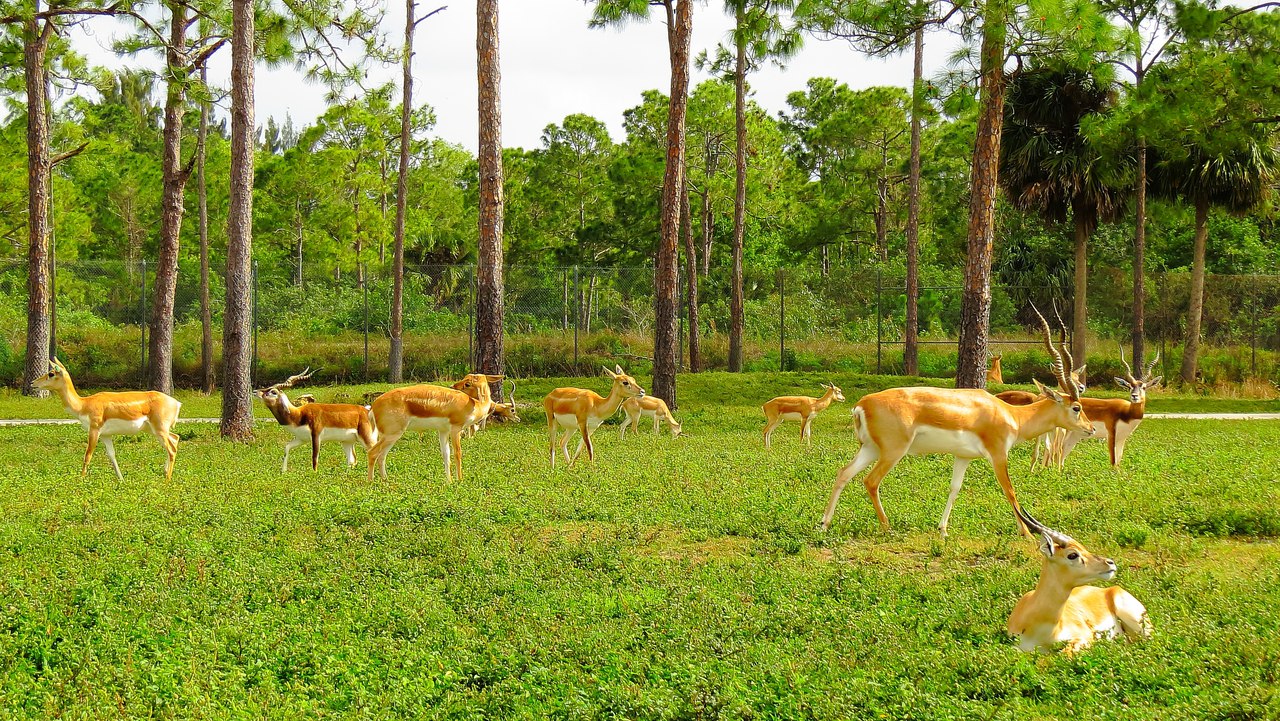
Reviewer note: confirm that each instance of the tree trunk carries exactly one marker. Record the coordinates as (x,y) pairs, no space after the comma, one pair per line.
(736,317)
(911,348)
(666,339)
(1191,347)
(35,46)
(171,203)
(489,301)
(882,219)
(707,225)
(237,398)
(202,190)
(395,365)
(975,307)
(1139,258)
(691,281)
(1080,300)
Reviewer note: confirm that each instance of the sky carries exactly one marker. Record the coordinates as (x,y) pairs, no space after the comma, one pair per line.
(553,65)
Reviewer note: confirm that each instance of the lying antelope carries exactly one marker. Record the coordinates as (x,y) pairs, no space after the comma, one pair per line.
(993,373)
(107,415)
(647,407)
(581,410)
(798,408)
(345,423)
(1118,418)
(503,412)
(447,411)
(1063,609)
(965,423)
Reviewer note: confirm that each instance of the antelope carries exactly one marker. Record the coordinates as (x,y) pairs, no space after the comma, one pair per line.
(318,422)
(504,412)
(1063,608)
(107,415)
(648,407)
(584,410)
(967,423)
(993,373)
(1117,417)
(447,411)
(1045,446)
(799,408)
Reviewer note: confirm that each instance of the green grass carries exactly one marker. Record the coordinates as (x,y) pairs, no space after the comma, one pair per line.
(674,578)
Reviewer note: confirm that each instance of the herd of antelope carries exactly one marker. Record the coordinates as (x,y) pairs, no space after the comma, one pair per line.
(1063,610)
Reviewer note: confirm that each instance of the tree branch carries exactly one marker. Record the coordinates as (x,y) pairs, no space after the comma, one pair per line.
(68,155)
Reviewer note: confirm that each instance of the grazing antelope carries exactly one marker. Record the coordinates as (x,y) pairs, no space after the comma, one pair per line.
(581,410)
(1118,418)
(503,412)
(963,422)
(107,415)
(447,411)
(647,407)
(993,373)
(1063,608)
(346,423)
(798,408)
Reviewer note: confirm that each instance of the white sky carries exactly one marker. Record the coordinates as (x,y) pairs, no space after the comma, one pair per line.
(553,65)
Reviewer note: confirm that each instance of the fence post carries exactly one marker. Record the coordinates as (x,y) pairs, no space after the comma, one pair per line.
(782,320)
(1253,339)
(879,323)
(577,315)
(254,369)
(142,320)
(364,272)
(564,299)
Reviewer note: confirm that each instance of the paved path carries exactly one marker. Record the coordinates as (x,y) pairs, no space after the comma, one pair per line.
(1219,416)
(74,422)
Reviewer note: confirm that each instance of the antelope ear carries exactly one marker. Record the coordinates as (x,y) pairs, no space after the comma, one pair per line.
(58,363)
(1048,392)
(618,369)
(1153,382)
(1080,371)
(1122,383)
(1047,545)
(493,379)
(611,374)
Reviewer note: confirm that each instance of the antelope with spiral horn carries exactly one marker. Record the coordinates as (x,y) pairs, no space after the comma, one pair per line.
(504,411)
(345,423)
(1064,610)
(967,423)
(1118,418)
(109,414)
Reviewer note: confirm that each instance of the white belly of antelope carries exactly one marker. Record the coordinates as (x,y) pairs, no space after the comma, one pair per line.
(961,444)
(347,435)
(118,427)
(791,416)
(428,424)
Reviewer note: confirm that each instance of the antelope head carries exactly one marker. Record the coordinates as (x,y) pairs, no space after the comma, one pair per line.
(1066,557)
(273,396)
(834,390)
(623,383)
(1069,398)
(55,379)
(505,412)
(1138,388)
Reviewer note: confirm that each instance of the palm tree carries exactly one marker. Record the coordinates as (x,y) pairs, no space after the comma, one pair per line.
(1237,178)
(1048,167)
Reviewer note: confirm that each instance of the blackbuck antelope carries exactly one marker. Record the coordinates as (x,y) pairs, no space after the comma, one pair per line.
(647,407)
(345,423)
(993,372)
(798,408)
(107,415)
(965,423)
(1043,448)
(502,412)
(581,410)
(447,411)
(1064,610)
(1118,418)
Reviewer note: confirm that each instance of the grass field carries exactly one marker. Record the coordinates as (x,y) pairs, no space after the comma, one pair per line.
(674,578)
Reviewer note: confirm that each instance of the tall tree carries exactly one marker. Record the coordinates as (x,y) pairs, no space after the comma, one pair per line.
(202,193)
(489,301)
(1049,166)
(37,28)
(679,14)
(911,329)
(395,363)
(237,408)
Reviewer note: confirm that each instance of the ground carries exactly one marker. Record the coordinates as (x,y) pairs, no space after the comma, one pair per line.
(674,578)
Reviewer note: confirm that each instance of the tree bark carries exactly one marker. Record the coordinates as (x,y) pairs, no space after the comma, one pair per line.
(1191,346)
(736,316)
(489,301)
(1080,293)
(395,364)
(237,409)
(1139,258)
(691,281)
(911,348)
(171,203)
(202,190)
(35,47)
(665,296)
(975,307)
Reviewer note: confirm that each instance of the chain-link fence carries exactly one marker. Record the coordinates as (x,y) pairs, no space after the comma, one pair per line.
(568,320)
